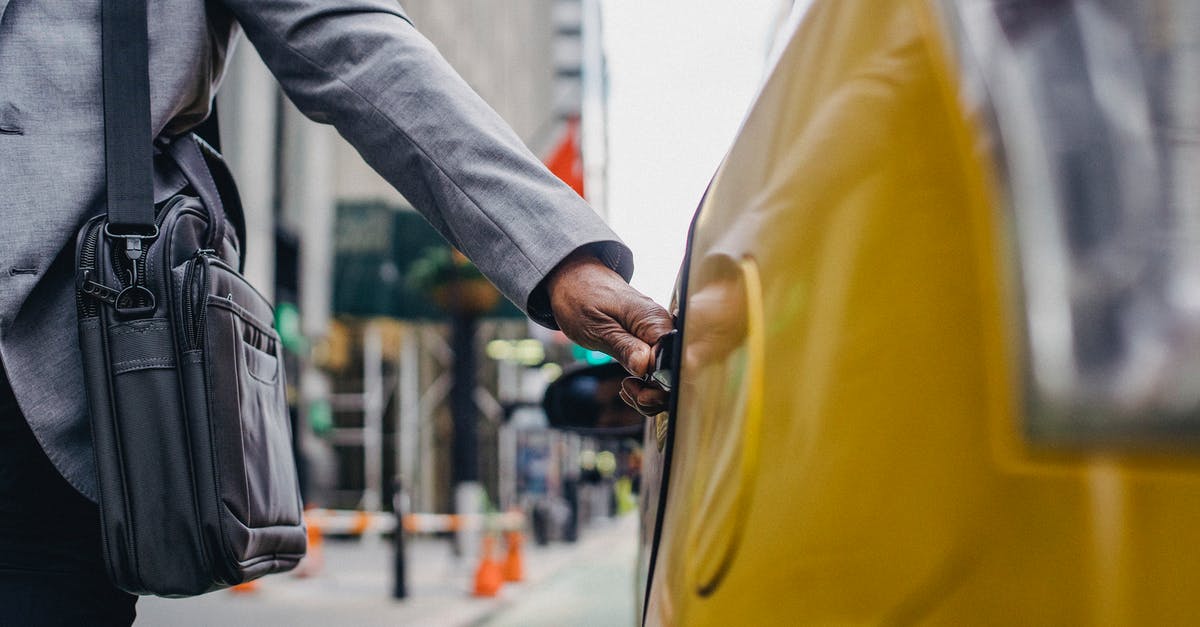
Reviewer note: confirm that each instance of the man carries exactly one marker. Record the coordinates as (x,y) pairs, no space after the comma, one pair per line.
(357,64)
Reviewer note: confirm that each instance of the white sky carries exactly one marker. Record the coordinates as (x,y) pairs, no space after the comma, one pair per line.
(682,74)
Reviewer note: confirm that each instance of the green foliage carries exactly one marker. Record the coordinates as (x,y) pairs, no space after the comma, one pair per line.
(438,266)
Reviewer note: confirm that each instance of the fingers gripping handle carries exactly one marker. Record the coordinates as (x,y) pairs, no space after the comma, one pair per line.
(663,374)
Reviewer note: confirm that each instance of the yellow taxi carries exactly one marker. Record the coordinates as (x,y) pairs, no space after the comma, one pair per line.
(939,347)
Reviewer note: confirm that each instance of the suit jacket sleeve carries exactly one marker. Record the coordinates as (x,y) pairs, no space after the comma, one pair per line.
(361,66)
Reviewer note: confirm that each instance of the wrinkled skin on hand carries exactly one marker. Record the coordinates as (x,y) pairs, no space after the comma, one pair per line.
(598,310)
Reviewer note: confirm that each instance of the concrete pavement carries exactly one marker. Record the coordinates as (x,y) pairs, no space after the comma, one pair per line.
(589,583)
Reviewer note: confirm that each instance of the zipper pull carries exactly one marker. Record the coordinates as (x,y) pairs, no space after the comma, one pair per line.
(133,269)
(99,291)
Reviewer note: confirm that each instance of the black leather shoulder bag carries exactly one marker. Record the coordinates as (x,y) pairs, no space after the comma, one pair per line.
(184,371)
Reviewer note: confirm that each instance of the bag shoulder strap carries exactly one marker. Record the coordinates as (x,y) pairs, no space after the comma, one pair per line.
(210,129)
(127,137)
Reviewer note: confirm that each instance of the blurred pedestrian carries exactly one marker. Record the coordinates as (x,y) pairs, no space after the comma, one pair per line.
(357,64)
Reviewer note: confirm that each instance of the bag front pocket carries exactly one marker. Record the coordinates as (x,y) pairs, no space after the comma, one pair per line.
(248,405)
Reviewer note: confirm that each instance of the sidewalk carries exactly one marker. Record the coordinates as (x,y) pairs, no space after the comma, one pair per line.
(588,583)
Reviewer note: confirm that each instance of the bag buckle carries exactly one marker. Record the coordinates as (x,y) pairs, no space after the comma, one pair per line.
(133,241)
(136,300)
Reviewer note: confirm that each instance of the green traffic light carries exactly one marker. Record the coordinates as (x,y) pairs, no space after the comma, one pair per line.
(589,357)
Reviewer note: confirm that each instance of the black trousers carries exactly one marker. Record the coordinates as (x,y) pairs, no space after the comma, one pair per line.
(51,568)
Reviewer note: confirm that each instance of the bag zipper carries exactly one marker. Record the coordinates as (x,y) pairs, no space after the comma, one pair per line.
(195,302)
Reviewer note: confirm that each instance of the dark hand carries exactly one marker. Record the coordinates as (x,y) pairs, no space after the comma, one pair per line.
(598,310)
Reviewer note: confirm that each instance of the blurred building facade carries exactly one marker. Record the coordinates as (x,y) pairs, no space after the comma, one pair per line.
(371,390)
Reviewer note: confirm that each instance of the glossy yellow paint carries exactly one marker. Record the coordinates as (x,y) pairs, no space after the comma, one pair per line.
(851,271)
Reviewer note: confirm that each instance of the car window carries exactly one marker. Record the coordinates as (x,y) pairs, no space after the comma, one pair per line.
(1094,114)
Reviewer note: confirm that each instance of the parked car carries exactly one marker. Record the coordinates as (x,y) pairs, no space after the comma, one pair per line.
(939,352)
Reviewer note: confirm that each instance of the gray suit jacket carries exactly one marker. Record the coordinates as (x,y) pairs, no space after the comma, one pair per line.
(357,64)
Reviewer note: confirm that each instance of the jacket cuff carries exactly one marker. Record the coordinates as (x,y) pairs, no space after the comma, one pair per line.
(611,253)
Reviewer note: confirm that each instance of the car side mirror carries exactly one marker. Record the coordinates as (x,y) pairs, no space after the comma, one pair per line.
(586,400)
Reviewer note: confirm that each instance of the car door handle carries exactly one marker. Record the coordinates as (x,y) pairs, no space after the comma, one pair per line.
(664,362)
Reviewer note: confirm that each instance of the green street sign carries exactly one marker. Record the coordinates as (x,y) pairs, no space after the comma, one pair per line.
(375,248)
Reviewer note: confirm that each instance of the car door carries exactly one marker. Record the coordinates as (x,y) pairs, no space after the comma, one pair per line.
(841,212)
(938,358)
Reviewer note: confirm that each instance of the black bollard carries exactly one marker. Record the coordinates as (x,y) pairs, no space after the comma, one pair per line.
(570,488)
(399,563)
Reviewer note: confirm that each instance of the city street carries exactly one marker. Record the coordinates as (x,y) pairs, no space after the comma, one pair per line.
(589,583)
(913,337)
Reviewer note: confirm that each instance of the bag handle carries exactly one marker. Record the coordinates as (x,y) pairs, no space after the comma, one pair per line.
(187,153)
(127,138)
(227,190)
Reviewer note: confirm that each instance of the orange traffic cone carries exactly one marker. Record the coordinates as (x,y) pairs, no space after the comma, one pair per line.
(489,577)
(246,587)
(313,560)
(514,568)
